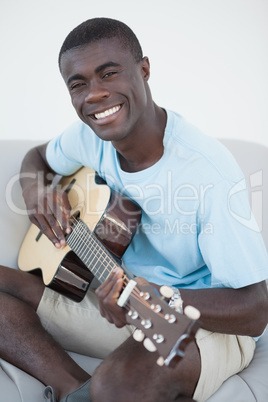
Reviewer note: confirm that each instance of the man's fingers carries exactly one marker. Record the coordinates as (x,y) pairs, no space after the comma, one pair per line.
(108,294)
(52,217)
(50,228)
(61,209)
(110,289)
(58,207)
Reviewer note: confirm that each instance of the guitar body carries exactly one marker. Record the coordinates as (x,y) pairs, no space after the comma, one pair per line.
(111,218)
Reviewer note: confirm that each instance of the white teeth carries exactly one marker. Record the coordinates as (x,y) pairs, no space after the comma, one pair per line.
(107,112)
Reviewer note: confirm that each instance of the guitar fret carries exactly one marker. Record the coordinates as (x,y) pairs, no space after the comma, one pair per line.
(104,261)
(90,251)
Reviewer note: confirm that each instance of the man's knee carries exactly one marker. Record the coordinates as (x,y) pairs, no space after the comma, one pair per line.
(111,383)
(108,382)
(24,286)
(131,373)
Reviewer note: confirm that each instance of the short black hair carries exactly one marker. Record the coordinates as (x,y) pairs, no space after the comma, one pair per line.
(96,29)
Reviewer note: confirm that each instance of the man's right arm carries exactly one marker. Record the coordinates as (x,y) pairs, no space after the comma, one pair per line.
(48,208)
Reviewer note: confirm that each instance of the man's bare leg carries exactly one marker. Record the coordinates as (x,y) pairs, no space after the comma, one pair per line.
(130,373)
(24,343)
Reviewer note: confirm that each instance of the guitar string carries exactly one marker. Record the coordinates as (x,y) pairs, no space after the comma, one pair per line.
(88,236)
(98,251)
(98,248)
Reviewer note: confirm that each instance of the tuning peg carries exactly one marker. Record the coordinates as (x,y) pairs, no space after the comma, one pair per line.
(160,361)
(133,314)
(146,323)
(166,291)
(192,312)
(156,308)
(138,335)
(145,295)
(148,344)
(159,338)
(171,318)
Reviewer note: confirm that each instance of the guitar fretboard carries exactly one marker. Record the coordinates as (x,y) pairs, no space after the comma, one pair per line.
(90,250)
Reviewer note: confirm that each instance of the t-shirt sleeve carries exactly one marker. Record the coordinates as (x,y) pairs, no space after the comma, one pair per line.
(233,248)
(59,152)
(71,150)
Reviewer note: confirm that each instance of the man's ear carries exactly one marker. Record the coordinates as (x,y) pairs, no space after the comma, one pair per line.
(145,65)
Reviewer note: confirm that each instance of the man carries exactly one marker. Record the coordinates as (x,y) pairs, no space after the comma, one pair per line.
(189,238)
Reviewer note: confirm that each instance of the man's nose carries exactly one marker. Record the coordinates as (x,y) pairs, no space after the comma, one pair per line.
(96,93)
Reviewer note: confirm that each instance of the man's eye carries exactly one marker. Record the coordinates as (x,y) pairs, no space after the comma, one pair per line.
(109,74)
(77,85)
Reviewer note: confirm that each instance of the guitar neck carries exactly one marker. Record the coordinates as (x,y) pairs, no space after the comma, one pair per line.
(90,250)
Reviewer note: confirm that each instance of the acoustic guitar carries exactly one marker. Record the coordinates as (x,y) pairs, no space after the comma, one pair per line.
(103,224)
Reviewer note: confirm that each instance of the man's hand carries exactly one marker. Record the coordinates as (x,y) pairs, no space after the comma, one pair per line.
(49,210)
(108,293)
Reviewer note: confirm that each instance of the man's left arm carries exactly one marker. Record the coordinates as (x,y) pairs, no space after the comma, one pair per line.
(241,311)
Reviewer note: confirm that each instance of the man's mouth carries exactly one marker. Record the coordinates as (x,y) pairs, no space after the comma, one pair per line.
(108,112)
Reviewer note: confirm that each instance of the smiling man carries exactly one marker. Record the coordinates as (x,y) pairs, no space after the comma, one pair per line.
(114,99)
(182,181)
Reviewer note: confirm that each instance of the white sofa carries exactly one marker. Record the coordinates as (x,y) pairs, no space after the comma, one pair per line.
(17,386)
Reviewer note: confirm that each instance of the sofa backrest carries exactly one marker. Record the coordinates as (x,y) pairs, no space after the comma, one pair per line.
(13,217)
(253,160)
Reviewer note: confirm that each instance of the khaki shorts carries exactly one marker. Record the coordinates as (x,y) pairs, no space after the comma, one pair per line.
(79,327)
(234,353)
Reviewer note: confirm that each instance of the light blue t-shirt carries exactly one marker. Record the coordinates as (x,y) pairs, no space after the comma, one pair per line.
(197,230)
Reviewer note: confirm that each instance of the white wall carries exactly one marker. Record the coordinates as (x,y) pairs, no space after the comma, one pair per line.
(209,62)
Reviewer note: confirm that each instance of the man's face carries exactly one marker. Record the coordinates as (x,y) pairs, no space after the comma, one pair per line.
(107,87)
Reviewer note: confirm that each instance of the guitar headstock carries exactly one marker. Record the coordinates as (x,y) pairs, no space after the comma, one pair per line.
(159,327)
